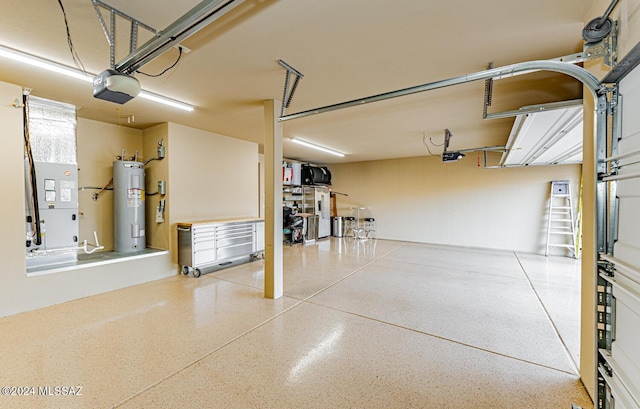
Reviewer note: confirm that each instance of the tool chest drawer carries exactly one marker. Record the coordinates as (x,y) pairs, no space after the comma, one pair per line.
(218,243)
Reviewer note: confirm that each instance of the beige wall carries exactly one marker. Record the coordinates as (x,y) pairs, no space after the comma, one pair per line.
(99,144)
(212,176)
(158,233)
(425,200)
(12,214)
(261,193)
(21,293)
(208,176)
(629,17)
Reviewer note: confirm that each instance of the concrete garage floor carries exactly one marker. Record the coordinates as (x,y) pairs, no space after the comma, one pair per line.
(363,324)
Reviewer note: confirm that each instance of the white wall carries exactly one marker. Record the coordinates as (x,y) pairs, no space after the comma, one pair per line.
(422,199)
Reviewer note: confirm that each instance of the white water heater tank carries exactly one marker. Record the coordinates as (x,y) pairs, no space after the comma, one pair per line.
(128,206)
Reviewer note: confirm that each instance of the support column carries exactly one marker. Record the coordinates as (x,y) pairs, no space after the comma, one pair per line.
(590,240)
(273,282)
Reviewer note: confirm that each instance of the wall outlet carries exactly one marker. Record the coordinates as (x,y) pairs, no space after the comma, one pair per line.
(159,215)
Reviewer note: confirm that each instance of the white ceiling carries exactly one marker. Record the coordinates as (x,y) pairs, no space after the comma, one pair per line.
(346,50)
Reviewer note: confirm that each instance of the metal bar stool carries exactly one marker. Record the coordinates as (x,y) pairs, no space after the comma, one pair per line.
(358,230)
(350,229)
(370,227)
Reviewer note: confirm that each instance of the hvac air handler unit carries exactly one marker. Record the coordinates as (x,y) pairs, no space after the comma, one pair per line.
(128,206)
(51,188)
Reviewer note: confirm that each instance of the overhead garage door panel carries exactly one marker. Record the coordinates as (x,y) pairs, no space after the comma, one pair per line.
(630,144)
(619,287)
(625,349)
(630,90)
(627,247)
(629,188)
(628,253)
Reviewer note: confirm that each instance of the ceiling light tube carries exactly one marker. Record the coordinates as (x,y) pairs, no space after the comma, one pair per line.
(48,65)
(316,147)
(34,61)
(165,100)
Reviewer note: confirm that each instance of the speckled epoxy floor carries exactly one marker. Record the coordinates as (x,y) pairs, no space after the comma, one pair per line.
(373,324)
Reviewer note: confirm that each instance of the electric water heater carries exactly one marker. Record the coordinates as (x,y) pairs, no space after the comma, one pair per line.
(128,206)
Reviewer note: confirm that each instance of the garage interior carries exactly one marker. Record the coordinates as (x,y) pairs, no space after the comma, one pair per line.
(456,270)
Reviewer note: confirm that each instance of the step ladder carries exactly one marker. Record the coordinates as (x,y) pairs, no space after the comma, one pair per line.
(561,225)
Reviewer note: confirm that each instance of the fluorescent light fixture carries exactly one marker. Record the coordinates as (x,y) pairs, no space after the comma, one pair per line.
(39,62)
(547,137)
(165,100)
(45,64)
(316,147)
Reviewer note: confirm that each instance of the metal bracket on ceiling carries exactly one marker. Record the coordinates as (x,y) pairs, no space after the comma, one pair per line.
(488,92)
(624,66)
(496,148)
(607,48)
(110,31)
(533,109)
(454,156)
(450,156)
(203,14)
(447,139)
(190,23)
(287,95)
